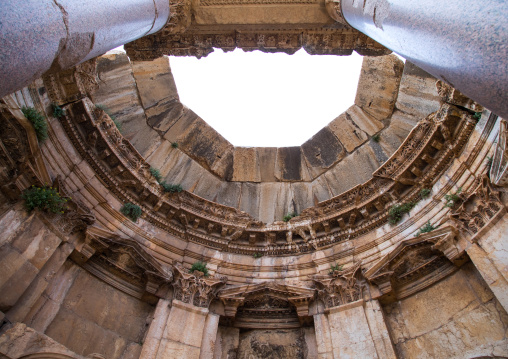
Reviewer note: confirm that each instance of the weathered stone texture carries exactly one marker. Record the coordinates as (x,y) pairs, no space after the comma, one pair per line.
(94,317)
(417,94)
(456,318)
(265,344)
(378,85)
(226,345)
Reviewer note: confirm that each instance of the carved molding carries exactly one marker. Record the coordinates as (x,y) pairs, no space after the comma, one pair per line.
(479,209)
(340,287)
(123,263)
(195,288)
(452,96)
(417,263)
(426,152)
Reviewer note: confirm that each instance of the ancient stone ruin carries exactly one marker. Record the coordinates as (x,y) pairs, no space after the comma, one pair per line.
(130,228)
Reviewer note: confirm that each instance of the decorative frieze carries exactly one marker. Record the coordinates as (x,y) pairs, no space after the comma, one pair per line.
(499,163)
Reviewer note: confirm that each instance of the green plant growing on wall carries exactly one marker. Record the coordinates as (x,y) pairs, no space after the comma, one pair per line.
(132,211)
(257,255)
(38,122)
(424,193)
(425,229)
(46,199)
(288,216)
(397,211)
(477,116)
(335,268)
(156,173)
(171,188)
(199,266)
(376,137)
(174,144)
(452,198)
(58,112)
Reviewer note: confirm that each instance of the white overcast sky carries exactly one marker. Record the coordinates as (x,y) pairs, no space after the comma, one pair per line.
(267,100)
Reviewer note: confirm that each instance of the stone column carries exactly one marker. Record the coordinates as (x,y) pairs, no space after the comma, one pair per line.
(209,336)
(37,36)
(462,42)
(154,335)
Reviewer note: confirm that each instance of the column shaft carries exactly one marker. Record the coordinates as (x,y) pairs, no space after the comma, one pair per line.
(41,35)
(463,42)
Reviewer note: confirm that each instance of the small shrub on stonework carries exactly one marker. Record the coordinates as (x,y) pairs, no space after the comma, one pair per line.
(58,112)
(477,116)
(257,255)
(156,173)
(111,116)
(171,188)
(424,193)
(425,229)
(452,198)
(376,137)
(117,124)
(38,122)
(335,268)
(397,211)
(46,199)
(199,266)
(132,211)
(288,216)
(174,144)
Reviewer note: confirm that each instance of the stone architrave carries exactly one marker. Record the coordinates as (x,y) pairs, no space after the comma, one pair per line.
(499,165)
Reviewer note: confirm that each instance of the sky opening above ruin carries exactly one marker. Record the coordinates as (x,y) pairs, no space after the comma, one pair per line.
(267,100)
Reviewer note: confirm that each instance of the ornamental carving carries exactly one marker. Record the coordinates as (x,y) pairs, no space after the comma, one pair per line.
(194,288)
(340,286)
(452,96)
(416,165)
(479,209)
(267,305)
(123,263)
(416,263)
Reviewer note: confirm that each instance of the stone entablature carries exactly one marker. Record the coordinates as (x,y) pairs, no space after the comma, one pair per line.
(424,154)
(197,27)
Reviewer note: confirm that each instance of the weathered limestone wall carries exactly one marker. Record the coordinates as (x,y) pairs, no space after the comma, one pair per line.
(26,246)
(458,317)
(89,316)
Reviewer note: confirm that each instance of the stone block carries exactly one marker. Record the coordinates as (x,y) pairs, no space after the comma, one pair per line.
(185,324)
(349,134)
(379,85)
(288,166)
(267,157)
(246,165)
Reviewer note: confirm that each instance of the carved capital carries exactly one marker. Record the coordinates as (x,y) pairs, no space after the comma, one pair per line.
(195,288)
(340,287)
(334,10)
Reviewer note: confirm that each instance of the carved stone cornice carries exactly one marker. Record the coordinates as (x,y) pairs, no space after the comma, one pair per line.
(479,209)
(452,96)
(195,288)
(299,297)
(417,263)
(334,10)
(340,287)
(436,140)
(123,263)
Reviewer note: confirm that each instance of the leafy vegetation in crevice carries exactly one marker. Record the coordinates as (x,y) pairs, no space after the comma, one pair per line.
(47,199)
(477,116)
(425,229)
(397,211)
(156,173)
(113,117)
(376,137)
(452,198)
(257,255)
(167,187)
(424,193)
(38,122)
(174,144)
(58,112)
(335,268)
(132,211)
(288,216)
(199,266)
